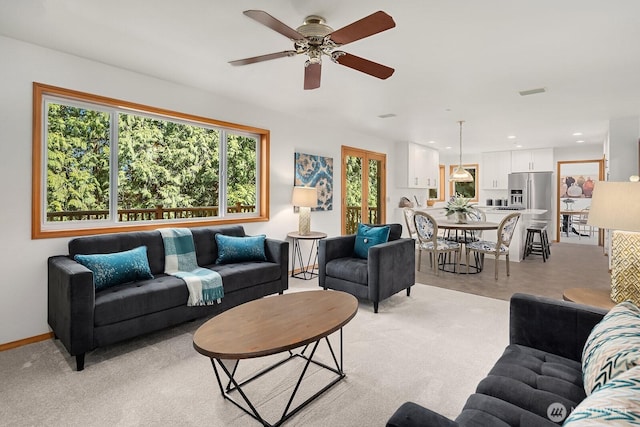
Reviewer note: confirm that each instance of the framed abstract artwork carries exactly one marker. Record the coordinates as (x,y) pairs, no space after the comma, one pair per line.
(316,171)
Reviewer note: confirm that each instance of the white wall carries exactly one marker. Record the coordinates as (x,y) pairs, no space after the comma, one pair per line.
(580,152)
(23,261)
(623,148)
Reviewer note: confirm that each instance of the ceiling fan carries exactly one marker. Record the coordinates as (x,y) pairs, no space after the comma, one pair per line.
(315,38)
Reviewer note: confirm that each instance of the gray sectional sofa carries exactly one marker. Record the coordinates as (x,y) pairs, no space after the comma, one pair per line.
(541,367)
(84,319)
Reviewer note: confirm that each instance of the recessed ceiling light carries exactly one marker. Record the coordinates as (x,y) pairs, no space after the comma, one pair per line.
(532,91)
(577,133)
(580,141)
(432,142)
(386,116)
(447,148)
(518,146)
(511,137)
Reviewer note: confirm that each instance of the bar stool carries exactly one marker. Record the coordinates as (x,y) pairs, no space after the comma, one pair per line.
(542,247)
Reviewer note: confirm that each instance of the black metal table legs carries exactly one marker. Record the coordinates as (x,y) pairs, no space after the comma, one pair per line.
(230,367)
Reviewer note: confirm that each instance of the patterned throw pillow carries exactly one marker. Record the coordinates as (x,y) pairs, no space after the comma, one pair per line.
(617,403)
(367,236)
(238,249)
(116,268)
(613,346)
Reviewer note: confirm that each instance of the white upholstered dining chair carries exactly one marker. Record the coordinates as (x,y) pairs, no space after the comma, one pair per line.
(408,219)
(427,230)
(501,247)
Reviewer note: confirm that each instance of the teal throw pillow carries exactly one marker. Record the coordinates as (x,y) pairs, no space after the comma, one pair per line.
(369,236)
(238,249)
(613,346)
(116,268)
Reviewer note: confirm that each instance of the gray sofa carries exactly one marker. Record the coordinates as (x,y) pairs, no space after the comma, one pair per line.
(84,319)
(389,269)
(540,367)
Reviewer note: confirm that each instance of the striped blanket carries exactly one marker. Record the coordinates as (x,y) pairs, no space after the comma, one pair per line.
(205,286)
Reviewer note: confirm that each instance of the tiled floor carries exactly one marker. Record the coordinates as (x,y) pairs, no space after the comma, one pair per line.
(582,239)
(570,265)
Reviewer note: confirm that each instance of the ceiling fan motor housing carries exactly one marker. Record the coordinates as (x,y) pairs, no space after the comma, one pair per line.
(314,29)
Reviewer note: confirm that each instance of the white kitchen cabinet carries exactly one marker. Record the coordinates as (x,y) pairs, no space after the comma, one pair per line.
(417,166)
(495,170)
(432,167)
(540,160)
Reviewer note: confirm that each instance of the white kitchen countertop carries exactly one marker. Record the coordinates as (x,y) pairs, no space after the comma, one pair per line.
(486,209)
(522,212)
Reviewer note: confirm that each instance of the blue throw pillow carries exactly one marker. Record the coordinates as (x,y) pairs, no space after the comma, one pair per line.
(369,236)
(238,249)
(116,268)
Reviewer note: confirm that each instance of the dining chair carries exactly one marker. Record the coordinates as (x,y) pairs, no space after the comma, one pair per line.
(411,228)
(427,230)
(501,247)
(579,222)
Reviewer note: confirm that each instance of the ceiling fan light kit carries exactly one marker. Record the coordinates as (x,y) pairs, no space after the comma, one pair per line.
(315,38)
(314,27)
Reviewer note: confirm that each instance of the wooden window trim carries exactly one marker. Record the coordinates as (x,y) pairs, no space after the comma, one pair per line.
(441,184)
(476,182)
(37,232)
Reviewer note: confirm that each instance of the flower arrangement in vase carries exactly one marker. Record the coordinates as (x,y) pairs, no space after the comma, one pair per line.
(459,206)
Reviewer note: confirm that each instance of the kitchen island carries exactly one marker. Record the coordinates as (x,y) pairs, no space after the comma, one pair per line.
(516,249)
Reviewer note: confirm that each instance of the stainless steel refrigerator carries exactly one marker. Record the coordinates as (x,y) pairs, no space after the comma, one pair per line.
(533,190)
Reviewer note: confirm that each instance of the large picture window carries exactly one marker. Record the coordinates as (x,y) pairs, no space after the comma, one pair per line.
(101,165)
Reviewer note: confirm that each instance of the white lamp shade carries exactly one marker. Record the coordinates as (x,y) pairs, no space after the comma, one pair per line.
(615,205)
(460,174)
(305,197)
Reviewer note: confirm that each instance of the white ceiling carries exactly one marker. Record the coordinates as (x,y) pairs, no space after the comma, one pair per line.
(454,59)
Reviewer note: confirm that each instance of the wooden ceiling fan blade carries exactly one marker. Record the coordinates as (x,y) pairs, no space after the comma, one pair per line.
(365,27)
(261,58)
(312,76)
(364,65)
(269,21)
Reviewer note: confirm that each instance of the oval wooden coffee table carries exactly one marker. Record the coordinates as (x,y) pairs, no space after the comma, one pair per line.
(272,325)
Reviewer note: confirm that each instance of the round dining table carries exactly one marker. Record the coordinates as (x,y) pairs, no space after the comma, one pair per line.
(467,229)
(468,226)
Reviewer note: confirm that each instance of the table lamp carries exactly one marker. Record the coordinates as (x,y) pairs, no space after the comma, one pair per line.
(305,198)
(616,206)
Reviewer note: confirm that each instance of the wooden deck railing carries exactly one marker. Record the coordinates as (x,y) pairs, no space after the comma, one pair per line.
(150,214)
(161,213)
(354,216)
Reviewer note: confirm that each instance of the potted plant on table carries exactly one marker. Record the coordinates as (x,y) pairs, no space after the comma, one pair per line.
(458,206)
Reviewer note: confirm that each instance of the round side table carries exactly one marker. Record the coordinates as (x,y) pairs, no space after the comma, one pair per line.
(594,297)
(307,271)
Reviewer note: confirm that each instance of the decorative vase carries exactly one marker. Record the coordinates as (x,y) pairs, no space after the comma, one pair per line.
(461,218)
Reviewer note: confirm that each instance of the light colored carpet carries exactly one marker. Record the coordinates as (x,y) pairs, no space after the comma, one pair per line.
(432,348)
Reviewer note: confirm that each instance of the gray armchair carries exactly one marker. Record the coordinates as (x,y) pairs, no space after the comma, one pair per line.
(390,267)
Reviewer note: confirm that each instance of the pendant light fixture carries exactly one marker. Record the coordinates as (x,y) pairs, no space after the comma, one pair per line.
(460,174)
